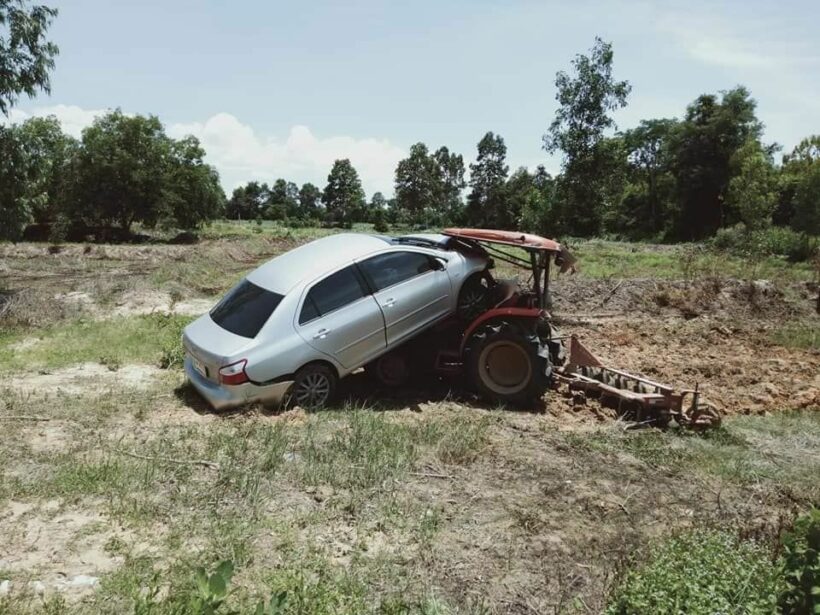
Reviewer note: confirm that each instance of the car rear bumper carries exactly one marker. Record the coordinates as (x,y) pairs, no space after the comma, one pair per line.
(225,397)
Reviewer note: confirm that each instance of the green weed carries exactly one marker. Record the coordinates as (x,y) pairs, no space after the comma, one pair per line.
(801,555)
(151,338)
(798,335)
(700,572)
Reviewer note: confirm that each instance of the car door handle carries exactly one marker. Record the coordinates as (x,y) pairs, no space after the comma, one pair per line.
(321,334)
(389,303)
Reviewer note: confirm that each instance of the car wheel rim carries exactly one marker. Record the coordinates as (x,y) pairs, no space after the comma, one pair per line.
(312,390)
(504,368)
(472,303)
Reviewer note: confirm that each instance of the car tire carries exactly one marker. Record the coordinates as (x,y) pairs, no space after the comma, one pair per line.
(473,298)
(391,370)
(507,364)
(314,386)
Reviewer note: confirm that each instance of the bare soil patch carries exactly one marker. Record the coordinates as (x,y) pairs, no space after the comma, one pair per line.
(84,379)
(55,548)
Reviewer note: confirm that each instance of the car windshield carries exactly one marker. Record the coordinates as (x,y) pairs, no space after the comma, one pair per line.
(245,309)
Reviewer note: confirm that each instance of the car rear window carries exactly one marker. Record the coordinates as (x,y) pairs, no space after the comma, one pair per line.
(245,309)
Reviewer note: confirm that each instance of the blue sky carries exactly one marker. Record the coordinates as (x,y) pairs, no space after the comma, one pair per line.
(281,89)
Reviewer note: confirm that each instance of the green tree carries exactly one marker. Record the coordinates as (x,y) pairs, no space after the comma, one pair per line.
(702,151)
(376,208)
(537,202)
(310,198)
(416,183)
(586,98)
(449,174)
(646,200)
(15,210)
(807,202)
(343,196)
(519,192)
(26,57)
(247,202)
(795,167)
(378,212)
(752,190)
(121,171)
(283,201)
(50,155)
(378,202)
(192,193)
(488,177)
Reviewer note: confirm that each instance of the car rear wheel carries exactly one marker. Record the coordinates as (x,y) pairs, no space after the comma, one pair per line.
(313,386)
(506,363)
(391,370)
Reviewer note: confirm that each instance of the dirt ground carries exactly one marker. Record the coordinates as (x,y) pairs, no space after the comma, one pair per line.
(438,500)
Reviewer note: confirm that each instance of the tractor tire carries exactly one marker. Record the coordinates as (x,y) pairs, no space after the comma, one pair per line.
(473,298)
(508,364)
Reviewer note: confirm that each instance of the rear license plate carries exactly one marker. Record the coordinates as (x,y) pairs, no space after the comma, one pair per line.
(199,366)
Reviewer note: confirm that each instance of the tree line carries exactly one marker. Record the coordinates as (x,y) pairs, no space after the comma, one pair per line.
(124,170)
(665,179)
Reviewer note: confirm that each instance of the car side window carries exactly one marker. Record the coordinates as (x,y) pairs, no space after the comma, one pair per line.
(335,291)
(392,268)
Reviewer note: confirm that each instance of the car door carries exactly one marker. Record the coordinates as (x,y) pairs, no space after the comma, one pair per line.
(339,318)
(412,289)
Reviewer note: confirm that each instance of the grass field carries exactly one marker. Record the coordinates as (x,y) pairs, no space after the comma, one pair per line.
(118,482)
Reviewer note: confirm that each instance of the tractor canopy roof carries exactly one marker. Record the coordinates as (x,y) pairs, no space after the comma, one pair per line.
(509,238)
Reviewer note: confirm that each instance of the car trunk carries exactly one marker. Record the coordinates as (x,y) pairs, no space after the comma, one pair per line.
(212,346)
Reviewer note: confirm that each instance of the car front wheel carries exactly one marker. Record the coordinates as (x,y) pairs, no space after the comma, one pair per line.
(474,297)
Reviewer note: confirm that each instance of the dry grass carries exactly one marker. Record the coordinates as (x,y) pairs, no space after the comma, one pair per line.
(413,503)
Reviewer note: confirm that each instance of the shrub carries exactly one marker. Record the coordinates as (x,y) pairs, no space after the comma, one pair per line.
(801,555)
(773,240)
(701,572)
(170,331)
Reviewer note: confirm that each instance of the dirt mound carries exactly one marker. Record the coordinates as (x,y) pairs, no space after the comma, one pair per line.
(719,297)
(154,301)
(737,367)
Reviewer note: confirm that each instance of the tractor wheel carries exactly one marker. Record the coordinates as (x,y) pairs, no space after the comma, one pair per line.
(473,298)
(507,363)
(391,370)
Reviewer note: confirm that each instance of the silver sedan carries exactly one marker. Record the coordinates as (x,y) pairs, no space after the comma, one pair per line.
(296,325)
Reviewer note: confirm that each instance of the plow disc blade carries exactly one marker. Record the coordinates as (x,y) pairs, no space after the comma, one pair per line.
(645,400)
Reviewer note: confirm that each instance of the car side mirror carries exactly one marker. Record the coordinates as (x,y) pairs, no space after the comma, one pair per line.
(437,264)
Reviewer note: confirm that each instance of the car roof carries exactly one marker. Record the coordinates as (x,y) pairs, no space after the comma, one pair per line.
(306,262)
(429,240)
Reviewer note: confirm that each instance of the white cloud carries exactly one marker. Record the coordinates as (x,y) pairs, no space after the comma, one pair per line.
(241,155)
(72,118)
(764,52)
(707,41)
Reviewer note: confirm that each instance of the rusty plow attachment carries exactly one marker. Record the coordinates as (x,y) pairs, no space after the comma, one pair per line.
(639,399)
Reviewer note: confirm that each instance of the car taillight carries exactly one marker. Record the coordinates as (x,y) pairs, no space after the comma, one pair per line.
(234,373)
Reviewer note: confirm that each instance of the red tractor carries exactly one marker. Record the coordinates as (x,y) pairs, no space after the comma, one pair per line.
(501,337)
(503,341)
